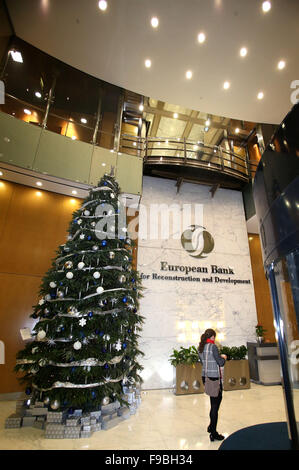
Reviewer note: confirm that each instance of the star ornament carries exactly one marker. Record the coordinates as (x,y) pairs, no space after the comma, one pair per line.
(82,322)
(117,346)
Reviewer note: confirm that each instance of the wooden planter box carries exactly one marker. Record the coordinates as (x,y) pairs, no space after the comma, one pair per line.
(236,375)
(188,379)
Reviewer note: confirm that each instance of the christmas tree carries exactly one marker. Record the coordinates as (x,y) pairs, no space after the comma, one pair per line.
(85,342)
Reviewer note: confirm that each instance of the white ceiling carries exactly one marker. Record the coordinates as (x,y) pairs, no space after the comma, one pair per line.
(113,46)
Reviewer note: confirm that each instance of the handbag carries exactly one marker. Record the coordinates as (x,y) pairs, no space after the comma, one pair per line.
(212,387)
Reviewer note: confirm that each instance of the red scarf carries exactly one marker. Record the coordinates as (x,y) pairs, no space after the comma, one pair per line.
(210,341)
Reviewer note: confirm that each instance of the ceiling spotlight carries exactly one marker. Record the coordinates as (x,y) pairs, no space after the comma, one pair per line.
(281,64)
(154,22)
(38,94)
(260,95)
(39,183)
(237,130)
(243,52)
(74,192)
(208,122)
(148,63)
(201,38)
(84,121)
(141,107)
(175,115)
(226,85)
(266,6)
(27,111)
(1,174)
(17,56)
(103,5)
(188,74)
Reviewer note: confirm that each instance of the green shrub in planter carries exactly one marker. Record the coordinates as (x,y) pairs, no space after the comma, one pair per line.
(187,356)
(234,353)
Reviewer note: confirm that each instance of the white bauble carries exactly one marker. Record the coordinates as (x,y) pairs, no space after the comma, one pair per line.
(55,405)
(106,337)
(79,222)
(69,275)
(53,284)
(77,345)
(100,289)
(82,236)
(112,196)
(106,401)
(96,275)
(86,212)
(41,334)
(81,265)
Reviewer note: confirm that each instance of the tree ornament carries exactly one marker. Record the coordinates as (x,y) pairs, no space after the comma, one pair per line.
(106,401)
(60,294)
(46,401)
(122,278)
(68,265)
(55,405)
(104,243)
(41,335)
(47,297)
(86,212)
(100,290)
(77,345)
(106,337)
(96,275)
(111,255)
(72,310)
(95,248)
(79,222)
(82,236)
(69,275)
(28,391)
(41,302)
(82,322)
(53,284)
(81,265)
(90,314)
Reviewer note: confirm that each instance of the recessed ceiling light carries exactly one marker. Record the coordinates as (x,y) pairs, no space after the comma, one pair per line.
(148,63)
(266,6)
(84,121)
(141,107)
(154,22)
(175,115)
(17,56)
(39,183)
(1,174)
(38,94)
(208,122)
(237,130)
(74,192)
(201,38)
(103,5)
(226,85)
(281,64)
(243,52)
(189,74)
(27,111)
(103,164)
(134,143)
(260,95)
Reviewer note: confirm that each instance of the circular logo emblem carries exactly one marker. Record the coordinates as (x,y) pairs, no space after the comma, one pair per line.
(197,241)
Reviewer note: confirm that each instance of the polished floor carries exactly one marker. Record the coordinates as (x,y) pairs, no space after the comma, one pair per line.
(163,422)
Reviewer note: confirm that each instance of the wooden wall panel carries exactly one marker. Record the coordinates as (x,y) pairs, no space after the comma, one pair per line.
(32,227)
(261,288)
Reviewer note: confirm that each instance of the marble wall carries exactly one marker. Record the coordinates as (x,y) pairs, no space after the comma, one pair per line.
(191,297)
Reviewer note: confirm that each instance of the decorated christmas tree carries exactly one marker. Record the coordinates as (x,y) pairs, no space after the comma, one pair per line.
(85,342)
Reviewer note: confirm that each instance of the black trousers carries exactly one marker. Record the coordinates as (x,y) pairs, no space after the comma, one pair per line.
(215,404)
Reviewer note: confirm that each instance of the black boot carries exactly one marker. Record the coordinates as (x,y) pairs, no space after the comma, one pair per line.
(216,437)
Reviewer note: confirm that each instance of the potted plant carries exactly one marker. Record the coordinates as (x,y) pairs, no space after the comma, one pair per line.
(188,370)
(260,331)
(236,369)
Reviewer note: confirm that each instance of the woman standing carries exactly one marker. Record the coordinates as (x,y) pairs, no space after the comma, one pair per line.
(211,362)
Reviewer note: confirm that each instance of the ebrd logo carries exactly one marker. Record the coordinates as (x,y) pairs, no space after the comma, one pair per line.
(197,241)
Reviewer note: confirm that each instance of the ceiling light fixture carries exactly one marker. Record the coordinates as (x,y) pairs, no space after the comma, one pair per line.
(226,85)
(84,121)
(103,5)
(237,130)
(74,137)
(201,38)
(148,63)
(175,115)
(27,111)
(74,192)
(281,64)
(1,174)
(17,56)
(243,52)
(189,74)
(38,94)
(206,129)
(260,95)
(208,122)
(39,183)
(154,22)
(141,107)
(266,6)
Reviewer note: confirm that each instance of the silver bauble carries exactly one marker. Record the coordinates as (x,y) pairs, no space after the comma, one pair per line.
(106,401)
(53,284)
(47,297)
(55,405)
(122,278)
(96,275)
(60,294)
(86,212)
(46,401)
(68,265)
(95,248)
(72,310)
(69,275)
(111,255)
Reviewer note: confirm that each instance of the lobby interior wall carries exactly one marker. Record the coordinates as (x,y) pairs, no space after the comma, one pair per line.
(32,226)
(5,30)
(177,311)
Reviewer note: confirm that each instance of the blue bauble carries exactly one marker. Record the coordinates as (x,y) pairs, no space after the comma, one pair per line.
(28,391)
(93,394)
(105,183)
(129,331)
(134,310)
(73,369)
(106,366)
(124,345)
(89,237)
(102,333)
(133,280)
(124,300)
(104,243)
(104,350)
(82,334)
(90,314)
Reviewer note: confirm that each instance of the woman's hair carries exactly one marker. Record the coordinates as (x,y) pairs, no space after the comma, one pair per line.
(203,339)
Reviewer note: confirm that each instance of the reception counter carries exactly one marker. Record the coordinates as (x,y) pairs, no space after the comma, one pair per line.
(264,363)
